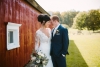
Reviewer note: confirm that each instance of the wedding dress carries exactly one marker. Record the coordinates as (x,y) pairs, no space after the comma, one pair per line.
(42,42)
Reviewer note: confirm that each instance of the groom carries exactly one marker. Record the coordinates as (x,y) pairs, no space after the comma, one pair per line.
(59,43)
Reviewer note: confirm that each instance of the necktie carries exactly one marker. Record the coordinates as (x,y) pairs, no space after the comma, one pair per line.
(53,32)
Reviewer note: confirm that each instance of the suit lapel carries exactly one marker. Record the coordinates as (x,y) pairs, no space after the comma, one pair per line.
(56,30)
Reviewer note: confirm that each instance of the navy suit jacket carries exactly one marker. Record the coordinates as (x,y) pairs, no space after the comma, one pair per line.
(59,42)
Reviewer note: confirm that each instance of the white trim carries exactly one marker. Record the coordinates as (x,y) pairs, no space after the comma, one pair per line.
(15,28)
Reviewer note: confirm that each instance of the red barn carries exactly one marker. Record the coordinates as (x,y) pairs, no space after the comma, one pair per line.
(18,24)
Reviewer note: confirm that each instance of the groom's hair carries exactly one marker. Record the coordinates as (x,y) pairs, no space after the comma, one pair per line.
(55,17)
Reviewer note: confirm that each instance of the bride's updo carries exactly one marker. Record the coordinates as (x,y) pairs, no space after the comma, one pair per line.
(43,18)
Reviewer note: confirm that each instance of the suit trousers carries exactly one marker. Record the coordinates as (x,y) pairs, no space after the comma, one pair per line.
(59,61)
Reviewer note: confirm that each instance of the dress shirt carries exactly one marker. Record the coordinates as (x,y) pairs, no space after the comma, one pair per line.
(55,29)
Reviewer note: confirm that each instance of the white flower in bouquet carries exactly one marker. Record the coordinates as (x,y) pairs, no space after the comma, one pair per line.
(39,53)
(42,55)
(43,62)
(33,58)
(38,61)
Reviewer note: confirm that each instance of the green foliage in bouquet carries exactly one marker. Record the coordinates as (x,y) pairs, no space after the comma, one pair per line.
(39,59)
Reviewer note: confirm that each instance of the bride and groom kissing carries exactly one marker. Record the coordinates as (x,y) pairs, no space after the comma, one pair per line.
(53,43)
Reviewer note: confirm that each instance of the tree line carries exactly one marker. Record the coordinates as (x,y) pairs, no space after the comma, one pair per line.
(66,17)
(89,20)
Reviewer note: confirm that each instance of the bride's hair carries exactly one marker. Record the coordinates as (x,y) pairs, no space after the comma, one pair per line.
(43,18)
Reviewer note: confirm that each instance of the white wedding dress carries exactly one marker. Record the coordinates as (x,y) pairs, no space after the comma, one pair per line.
(42,42)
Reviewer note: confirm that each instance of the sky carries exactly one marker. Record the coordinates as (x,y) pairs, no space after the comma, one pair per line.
(66,5)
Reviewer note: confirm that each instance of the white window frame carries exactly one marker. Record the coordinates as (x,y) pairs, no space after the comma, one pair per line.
(15,29)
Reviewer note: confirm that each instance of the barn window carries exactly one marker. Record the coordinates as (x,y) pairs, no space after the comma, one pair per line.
(12,35)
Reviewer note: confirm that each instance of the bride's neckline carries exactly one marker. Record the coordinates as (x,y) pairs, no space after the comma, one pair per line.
(44,33)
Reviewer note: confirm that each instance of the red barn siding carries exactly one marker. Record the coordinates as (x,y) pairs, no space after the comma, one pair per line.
(17,11)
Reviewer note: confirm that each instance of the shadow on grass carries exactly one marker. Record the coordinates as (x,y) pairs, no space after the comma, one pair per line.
(75,59)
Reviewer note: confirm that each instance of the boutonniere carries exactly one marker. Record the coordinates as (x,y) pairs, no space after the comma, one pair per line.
(57,32)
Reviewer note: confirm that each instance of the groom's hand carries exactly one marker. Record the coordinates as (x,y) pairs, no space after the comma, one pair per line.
(63,55)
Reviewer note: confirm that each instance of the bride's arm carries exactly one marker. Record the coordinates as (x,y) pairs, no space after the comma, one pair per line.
(36,42)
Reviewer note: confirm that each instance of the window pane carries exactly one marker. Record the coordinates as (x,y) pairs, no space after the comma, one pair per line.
(10,37)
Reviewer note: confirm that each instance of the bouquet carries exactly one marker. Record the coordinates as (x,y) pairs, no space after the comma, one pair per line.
(38,59)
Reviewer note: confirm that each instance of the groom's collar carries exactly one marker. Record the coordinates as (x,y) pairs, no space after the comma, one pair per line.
(54,30)
(57,26)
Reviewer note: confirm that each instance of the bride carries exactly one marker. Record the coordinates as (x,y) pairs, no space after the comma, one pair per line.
(43,36)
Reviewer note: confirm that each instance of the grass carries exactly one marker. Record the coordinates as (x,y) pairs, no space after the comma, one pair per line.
(75,58)
(84,50)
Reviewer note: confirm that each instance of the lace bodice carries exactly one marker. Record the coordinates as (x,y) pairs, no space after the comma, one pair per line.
(41,38)
(42,42)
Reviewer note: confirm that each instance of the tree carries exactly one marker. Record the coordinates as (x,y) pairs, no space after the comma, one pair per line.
(58,14)
(93,20)
(67,17)
(64,18)
(79,20)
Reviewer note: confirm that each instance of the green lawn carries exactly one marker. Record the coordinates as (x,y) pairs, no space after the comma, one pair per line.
(84,50)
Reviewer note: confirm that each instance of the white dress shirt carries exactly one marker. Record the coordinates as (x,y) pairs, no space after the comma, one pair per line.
(55,29)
